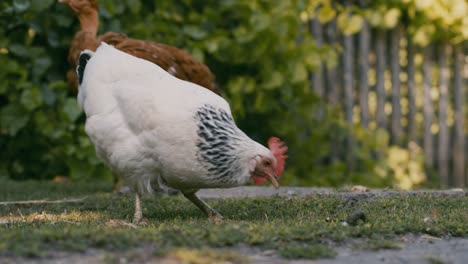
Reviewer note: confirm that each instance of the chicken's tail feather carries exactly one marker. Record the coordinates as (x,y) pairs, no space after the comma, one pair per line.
(82,61)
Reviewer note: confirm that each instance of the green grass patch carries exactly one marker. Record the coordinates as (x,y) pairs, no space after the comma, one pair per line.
(294,227)
(434,259)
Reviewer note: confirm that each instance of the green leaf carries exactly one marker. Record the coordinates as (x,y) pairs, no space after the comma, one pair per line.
(19,50)
(198,54)
(13,118)
(259,101)
(31,98)
(243,35)
(350,24)
(41,5)
(275,80)
(194,32)
(299,74)
(71,109)
(63,20)
(374,17)
(21,5)
(41,65)
(326,14)
(260,21)
(134,5)
(355,24)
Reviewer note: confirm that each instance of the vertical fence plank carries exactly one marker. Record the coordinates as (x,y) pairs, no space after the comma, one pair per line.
(348,83)
(443,140)
(411,71)
(380,43)
(427,106)
(459,99)
(396,128)
(331,72)
(332,84)
(348,77)
(364,41)
(317,76)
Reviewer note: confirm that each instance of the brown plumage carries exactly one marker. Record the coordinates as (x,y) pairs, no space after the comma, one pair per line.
(175,61)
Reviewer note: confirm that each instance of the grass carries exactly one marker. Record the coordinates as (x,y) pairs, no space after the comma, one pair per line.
(294,227)
(378,244)
(434,259)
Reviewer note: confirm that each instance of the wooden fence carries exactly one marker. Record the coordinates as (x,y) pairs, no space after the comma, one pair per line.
(417,94)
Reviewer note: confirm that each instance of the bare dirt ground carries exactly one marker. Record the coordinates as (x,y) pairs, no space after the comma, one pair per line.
(411,248)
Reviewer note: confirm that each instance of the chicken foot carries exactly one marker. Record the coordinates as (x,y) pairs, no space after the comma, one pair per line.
(214,216)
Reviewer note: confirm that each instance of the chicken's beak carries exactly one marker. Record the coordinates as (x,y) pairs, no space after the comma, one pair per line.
(273,179)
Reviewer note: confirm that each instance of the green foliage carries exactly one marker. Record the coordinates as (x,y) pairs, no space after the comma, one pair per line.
(427,20)
(259,50)
(41,133)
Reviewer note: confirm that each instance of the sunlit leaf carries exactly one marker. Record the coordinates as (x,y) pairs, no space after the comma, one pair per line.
(299,73)
(326,13)
(275,80)
(391,18)
(422,4)
(350,24)
(374,17)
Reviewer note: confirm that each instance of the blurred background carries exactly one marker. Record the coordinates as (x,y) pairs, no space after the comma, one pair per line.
(362,92)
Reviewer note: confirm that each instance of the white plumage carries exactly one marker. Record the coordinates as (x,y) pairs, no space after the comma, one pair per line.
(146,124)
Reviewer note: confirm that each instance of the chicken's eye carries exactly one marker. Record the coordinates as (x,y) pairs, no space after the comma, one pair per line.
(266,163)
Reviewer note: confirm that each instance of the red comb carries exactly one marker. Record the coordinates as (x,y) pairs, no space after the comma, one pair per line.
(278,148)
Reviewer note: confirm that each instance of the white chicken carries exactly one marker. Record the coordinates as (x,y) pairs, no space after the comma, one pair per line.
(148,126)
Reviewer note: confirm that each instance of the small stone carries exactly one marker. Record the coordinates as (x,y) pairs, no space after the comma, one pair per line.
(270,252)
(428,220)
(355,217)
(359,188)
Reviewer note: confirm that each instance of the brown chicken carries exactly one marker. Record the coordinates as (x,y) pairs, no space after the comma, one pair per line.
(175,61)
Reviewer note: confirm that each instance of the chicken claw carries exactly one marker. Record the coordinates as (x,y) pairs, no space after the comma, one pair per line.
(216,219)
(214,216)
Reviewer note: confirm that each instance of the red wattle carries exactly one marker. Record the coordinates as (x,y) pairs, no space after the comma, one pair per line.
(259,180)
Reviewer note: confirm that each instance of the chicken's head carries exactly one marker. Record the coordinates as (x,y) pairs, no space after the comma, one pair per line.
(270,167)
(79,6)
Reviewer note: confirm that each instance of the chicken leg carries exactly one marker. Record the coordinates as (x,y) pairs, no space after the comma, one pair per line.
(138,215)
(210,212)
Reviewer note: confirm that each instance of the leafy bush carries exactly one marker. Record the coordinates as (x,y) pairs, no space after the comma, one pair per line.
(259,51)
